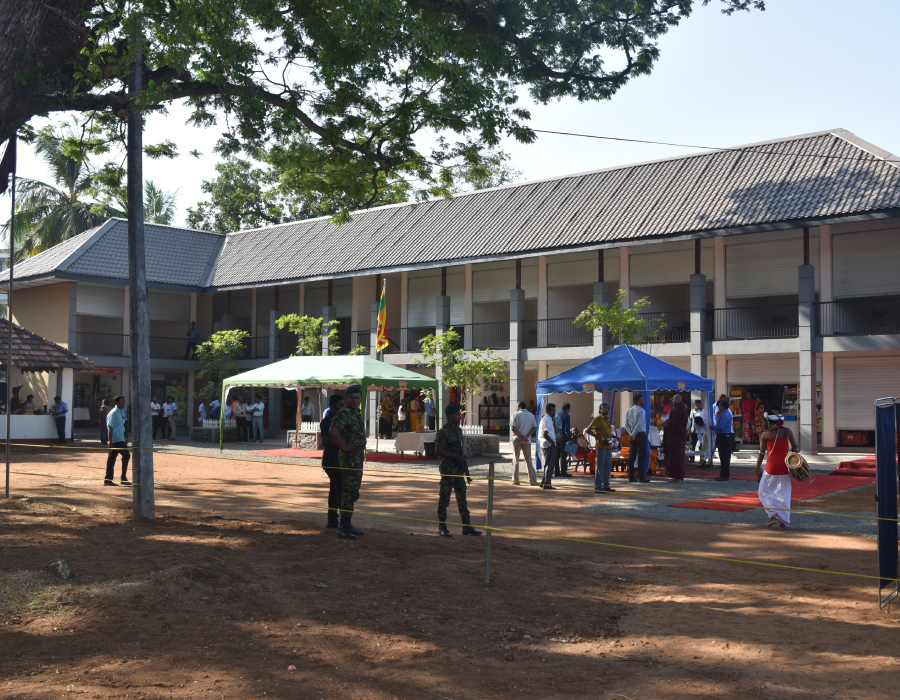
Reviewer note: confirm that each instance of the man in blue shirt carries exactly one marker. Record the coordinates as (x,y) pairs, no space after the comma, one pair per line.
(429,414)
(563,425)
(59,415)
(724,427)
(193,339)
(115,421)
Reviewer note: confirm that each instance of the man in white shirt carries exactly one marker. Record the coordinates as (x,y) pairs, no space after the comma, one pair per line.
(202,411)
(256,411)
(523,426)
(636,426)
(547,443)
(170,415)
(156,417)
(308,410)
(239,412)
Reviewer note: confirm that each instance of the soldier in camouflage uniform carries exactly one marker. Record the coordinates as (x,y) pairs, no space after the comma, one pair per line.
(349,434)
(448,446)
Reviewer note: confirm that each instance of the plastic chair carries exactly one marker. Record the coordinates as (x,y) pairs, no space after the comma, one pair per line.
(580,458)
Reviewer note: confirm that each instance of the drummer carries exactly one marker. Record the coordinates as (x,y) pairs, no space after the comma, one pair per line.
(774,480)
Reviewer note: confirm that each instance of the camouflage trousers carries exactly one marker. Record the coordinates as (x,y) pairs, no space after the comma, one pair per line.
(452,483)
(351,479)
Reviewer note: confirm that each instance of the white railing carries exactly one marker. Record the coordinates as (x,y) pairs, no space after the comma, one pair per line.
(310,427)
(472,429)
(214,423)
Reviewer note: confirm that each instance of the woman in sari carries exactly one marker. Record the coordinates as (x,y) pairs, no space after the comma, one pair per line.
(748,413)
(759,421)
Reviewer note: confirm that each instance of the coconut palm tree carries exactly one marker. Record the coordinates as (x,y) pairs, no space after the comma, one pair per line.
(159,206)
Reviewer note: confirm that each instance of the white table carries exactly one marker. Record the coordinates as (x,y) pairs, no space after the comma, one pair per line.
(412,442)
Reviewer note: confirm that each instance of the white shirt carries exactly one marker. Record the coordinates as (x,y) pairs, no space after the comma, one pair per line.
(401,414)
(546,426)
(698,413)
(154,408)
(169,409)
(202,411)
(523,421)
(636,420)
(257,408)
(308,410)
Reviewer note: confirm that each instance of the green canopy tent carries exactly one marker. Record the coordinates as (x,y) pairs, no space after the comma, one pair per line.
(326,372)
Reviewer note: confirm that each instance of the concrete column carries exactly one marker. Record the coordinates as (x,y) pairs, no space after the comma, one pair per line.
(191,408)
(542,298)
(372,398)
(73,316)
(829,405)
(329,313)
(469,312)
(194,307)
(807,391)
(601,336)
(826,284)
(698,328)
(516,363)
(719,272)
(126,324)
(273,334)
(253,323)
(442,323)
(404,300)
(721,376)
(625,274)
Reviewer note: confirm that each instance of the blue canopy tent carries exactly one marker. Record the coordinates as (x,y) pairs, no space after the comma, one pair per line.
(626,369)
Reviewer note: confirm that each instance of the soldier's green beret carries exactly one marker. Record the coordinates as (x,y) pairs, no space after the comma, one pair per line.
(453,408)
(354,389)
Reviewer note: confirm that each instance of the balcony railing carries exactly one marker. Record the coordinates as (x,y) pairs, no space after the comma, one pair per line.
(285,346)
(350,340)
(868,316)
(555,333)
(101,344)
(484,336)
(667,327)
(406,340)
(754,322)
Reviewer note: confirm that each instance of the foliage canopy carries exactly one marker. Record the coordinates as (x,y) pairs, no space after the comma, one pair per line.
(626,325)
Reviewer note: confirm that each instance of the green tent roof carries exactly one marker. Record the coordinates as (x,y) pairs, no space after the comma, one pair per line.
(332,372)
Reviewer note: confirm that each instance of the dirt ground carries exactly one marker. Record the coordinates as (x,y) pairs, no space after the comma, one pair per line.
(221,595)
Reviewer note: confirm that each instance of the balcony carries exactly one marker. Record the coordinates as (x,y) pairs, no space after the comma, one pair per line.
(555,333)
(868,316)
(484,336)
(667,327)
(102,344)
(754,322)
(350,340)
(406,340)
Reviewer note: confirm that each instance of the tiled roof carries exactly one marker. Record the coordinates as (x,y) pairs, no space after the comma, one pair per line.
(32,353)
(802,178)
(174,255)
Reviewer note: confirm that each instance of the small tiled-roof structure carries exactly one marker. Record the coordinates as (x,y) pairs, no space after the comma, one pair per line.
(32,353)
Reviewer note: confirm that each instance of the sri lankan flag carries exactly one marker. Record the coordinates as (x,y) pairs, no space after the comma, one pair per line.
(381,339)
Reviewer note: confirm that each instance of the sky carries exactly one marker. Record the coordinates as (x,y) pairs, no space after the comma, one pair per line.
(799,67)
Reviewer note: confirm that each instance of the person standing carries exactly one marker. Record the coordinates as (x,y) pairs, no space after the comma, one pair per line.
(523,426)
(193,336)
(636,427)
(724,428)
(386,419)
(60,410)
(239,413)
(214,407)
(698,430)
(202,414)
(170,417)
(748,413)
(256,412)
(105,408)
(331,461)
(156,417)
(349,433)
(449,447)
(115,422)
(547,443)
(429,414)
(775,480)
(676,438)
(402,427)
(601,430)
(307,410)
(563,426)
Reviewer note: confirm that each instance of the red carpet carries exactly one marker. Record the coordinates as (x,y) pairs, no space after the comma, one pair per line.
(857,467)
(317,454)
(800,491)
(689,473)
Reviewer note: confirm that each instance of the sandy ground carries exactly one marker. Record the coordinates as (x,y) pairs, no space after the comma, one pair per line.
(223,592)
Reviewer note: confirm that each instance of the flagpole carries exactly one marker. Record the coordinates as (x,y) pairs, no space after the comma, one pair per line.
(9,299)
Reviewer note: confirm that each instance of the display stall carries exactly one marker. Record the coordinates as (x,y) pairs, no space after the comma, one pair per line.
(330,372)
(626,369)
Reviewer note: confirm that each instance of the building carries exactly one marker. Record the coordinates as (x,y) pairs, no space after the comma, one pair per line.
(773,265)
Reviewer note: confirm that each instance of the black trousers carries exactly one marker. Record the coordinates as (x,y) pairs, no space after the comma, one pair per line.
(61,429)
(637,452)
(723,445)
(548,459)
(191,349)
(241,424)
(562,457)
(157,425)
(334,492)
(111,460)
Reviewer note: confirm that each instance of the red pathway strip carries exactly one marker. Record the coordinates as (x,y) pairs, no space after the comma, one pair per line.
(317,454)
(801,490)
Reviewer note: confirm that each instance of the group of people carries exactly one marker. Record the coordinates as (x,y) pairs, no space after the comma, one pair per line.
(248,419)
(164,418)
(409,416)
(344,437)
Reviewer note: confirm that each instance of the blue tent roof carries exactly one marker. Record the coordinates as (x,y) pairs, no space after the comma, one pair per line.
(624,369)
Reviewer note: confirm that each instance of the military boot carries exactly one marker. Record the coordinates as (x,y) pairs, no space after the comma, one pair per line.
(332,521)
(467,527)
(345,531)
(443,531)
(356,531)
